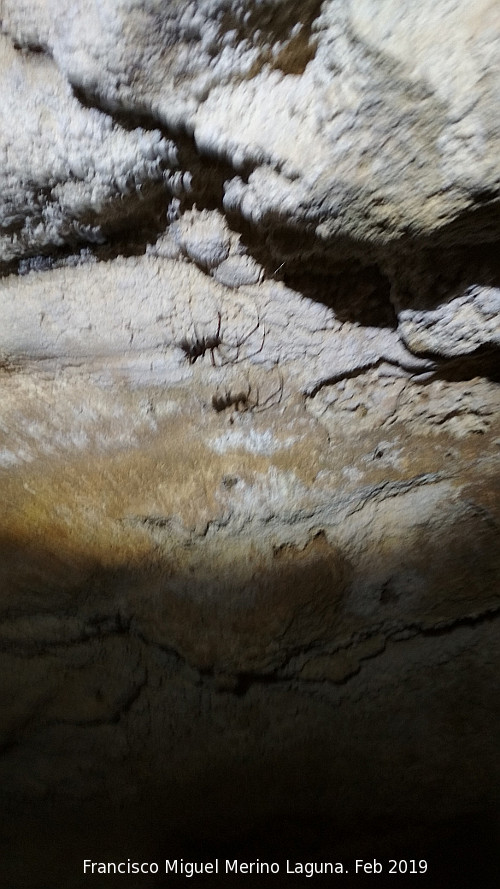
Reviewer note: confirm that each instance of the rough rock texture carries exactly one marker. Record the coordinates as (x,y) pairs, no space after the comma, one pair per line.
(249,434)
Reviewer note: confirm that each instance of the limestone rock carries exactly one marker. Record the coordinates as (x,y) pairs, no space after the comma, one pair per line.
(249,431)
(340,129)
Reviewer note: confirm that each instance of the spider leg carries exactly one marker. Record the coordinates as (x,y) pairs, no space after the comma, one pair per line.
(244,399)
(259,350)
(213,342)
(249,334)
(241,342)
(275,394)
(249,355)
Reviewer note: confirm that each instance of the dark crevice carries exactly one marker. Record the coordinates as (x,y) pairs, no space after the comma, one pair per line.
(353,374)
(483,362)
(477,226)
(95,627)
(244,681)
(444,627)
(240,683)
(278,243)
(136,219)
(352,283)
(354,291)
(211,169)
(131,222)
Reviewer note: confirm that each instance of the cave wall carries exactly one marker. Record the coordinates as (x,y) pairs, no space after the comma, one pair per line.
(249,435)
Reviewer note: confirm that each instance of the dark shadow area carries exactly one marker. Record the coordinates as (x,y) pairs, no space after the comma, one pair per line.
(476,227)
(355,293)
(459,853)
(426,276)
(130,223)
(178,763)
(483,362)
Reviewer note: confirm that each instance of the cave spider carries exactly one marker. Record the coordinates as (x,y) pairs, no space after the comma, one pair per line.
(198,346)
(241,401)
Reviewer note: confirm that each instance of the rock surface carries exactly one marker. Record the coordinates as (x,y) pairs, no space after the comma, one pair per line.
(249,434)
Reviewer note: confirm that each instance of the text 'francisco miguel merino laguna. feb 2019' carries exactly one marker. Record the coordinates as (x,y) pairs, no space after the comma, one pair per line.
(180,867)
